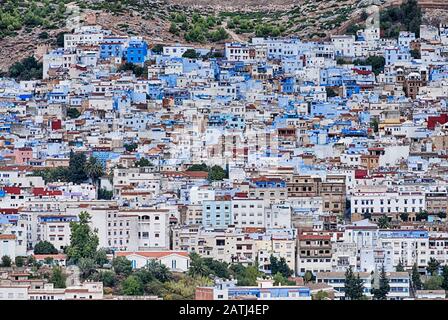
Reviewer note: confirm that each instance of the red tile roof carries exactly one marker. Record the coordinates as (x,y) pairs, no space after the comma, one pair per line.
(9,210)
(42,192)
(7,237)
(12,190)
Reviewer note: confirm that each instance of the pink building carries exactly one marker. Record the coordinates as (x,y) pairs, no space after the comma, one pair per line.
(23,155)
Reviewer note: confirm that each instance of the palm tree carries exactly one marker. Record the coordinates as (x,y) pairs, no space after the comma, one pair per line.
(383,222)
(159,270)
(94,170)
(197,266)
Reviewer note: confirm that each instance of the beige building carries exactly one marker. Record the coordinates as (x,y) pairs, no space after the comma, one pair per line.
(229,246)
(279,248)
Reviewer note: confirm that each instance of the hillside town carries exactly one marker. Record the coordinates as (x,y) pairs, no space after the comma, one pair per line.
(272,169)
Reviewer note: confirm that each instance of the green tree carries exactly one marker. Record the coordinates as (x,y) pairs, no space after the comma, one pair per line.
(364,15)
(267,30)
(195,34)
(415,278)
(219,269)
(173,29)
(131,286)
(94,170)
(45,247)
(159,271)
(144,276)
(58,277)
(245,276)
(433,283)
(415,53)
(353,286)
(342,61)
(6,261)
(156,288)
(377,63)
(184,288)
(374,125)
(143,162)
(53,174)
(279,279)
(191,54)
(400,267)
(218,35)
(198,167)
(86,267)
(31,261)
(433,266)
(408,16)
(137,70)
(330,92)
(19,261)
(422,216)
(353,29)
(383,289)
(104,194)
(101,257)
(404,216)
(198,267)
(122,266)
(308,277)
(442,215)
(214,54)
(445,278)
(83,240)
(76,168)
(180,17)
(73,113)
(130,147)
(60,39)
(26,69)
(321,295)
(280,266)
(383,222)
(108,278)
(157,49)
(216,173)
(43,35)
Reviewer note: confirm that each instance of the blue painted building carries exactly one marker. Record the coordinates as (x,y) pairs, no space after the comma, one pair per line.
(112,47)
(217,214)
(280,293)
(136,51)
(103,156)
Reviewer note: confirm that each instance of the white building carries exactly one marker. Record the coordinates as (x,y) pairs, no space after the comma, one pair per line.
(85,36)
(199,194)
(177,261)
(344,45)
(176,51)
(399,283)
(8,246)
(238,52)
(387,202)
(408,246)
(248,213)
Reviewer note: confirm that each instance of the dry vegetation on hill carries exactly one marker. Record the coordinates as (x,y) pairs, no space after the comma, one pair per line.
(25,31)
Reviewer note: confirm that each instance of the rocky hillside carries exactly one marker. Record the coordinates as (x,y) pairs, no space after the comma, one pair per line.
(30,27)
